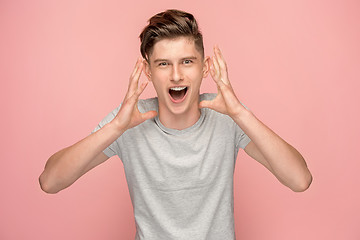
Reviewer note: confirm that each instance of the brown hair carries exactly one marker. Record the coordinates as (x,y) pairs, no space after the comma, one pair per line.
(168,25)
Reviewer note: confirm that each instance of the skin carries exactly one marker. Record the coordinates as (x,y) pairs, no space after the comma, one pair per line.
(169,66)
(174,63)
(279,157)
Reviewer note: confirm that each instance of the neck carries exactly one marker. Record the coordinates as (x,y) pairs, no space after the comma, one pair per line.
(179,121)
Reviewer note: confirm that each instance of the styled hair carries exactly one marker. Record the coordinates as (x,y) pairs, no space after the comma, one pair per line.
(169,25)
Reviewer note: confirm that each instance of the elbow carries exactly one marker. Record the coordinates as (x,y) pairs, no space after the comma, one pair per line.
(303,184)
(46,186)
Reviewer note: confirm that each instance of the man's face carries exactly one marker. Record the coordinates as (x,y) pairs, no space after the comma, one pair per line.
(176,70)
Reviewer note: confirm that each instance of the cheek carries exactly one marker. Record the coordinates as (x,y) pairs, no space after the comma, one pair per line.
(196,76)
(159,75)
(158,83)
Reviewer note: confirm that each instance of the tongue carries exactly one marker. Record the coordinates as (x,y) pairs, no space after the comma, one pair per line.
(177,94)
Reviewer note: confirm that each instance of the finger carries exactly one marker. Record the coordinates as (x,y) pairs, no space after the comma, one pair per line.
(216,68)
(137,74)
(221,85)
(141,88)
(131,85)
(134,80)
(135,67)
(214,77)
(213,73)
(217,77)
(218,52)
(222,64)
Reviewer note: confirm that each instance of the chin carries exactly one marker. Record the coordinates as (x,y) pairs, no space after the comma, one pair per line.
(179,110)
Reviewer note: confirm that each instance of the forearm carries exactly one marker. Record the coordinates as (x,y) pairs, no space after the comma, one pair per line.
(66,166)
(285,161)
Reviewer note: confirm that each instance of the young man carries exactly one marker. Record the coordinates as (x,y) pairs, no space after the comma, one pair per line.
(179,149)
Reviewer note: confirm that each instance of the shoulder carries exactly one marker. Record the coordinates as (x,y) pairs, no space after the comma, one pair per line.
(222,120)
(207,96)
(212,115)
(149,104)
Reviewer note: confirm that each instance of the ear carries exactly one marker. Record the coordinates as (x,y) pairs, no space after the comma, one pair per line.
(147,70)
(206,67)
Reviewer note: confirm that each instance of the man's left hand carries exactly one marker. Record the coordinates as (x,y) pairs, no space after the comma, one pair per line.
(226,101)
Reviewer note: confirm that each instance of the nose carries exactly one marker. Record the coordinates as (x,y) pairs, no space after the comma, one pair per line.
(176,73)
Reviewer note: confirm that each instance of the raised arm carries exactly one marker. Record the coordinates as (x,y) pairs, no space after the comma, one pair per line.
(66,166)
(283,160)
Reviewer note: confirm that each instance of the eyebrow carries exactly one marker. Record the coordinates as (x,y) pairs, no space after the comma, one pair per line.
(184,58)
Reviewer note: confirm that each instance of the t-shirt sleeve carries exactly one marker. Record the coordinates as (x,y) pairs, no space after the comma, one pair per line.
(114,148)
(242,139)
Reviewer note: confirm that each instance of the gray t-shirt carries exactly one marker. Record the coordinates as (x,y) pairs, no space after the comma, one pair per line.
(180,181)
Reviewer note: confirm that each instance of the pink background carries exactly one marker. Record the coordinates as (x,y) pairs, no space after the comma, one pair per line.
(65,64)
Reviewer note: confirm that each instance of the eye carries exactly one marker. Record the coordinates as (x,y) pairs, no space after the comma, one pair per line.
(187,61)
(163,64)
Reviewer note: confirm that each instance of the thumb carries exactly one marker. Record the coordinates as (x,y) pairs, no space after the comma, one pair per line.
(205,104)
(149,115)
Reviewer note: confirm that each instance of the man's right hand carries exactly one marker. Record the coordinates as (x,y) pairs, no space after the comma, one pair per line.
(67,165)
(129,115)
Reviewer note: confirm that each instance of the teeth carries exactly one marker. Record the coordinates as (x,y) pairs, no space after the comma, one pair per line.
(177,88)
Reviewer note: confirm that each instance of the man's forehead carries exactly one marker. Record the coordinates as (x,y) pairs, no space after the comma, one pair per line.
(174,48)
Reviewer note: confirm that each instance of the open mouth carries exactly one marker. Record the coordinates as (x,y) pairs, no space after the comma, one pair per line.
(178,94)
